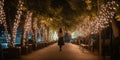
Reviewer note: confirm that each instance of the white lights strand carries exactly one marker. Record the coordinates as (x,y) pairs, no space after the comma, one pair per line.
(27,27)
(3,18)
(35,27)
(105,16)
(16,22)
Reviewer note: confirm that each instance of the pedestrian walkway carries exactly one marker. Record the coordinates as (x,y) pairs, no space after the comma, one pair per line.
(69,52)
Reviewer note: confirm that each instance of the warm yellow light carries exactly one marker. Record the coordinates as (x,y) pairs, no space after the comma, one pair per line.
(51,19)
(118,17)
(89,7)
(88,1)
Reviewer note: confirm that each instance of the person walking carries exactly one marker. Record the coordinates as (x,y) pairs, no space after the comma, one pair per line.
(60,38)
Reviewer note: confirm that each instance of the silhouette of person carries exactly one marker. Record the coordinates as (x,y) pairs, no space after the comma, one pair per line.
(60,38)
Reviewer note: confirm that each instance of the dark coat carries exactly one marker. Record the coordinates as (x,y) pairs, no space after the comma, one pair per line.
(61,41)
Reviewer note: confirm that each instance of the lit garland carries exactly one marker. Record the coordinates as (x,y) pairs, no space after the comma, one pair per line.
(1,12)
(16,22)
(105,16)
(35,27)
(53,35)
(27,27)
(89,5)
(3,18)
(45,31)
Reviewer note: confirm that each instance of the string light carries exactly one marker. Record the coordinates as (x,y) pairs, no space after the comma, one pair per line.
(3,18)
(105,16)
(2,14)
(35,27)
(27,27)
(16,22)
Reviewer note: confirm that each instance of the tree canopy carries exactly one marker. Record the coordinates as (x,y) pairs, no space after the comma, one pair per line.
(65,13)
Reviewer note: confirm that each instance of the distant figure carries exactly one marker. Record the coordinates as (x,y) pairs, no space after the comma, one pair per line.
(67,37)
(60,38)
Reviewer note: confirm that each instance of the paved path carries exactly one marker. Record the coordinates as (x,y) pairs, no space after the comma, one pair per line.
(70,52)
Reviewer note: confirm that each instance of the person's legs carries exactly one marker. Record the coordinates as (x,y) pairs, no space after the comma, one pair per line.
(60,47)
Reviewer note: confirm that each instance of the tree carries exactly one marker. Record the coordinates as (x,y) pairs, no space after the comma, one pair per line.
(27,28)
(13,20)
(3,19)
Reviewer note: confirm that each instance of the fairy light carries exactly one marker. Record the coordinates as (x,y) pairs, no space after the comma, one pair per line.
(35,27)
(2,14)
(105,16)
(16,22)
(3,18)
(27,27)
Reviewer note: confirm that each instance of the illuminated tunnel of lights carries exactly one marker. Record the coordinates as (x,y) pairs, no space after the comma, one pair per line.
(87,27)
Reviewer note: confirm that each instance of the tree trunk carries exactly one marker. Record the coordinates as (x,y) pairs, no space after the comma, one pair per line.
(6,31)
(115,29)
(23,38)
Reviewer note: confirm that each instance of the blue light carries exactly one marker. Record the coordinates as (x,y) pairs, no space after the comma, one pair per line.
(74,35)
(4,45)
(38,40)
